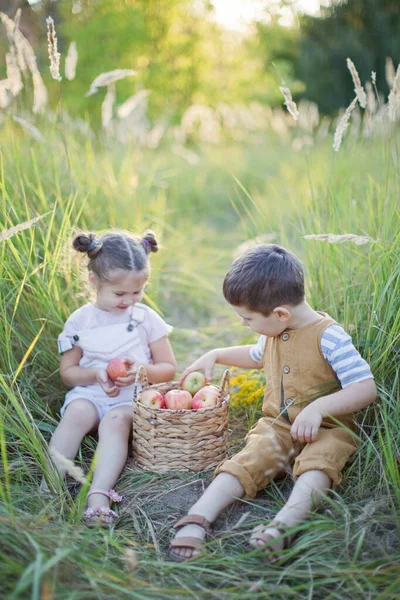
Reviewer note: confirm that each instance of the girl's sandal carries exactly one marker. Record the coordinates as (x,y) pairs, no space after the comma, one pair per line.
(260,534)
(101,515)
(192,543)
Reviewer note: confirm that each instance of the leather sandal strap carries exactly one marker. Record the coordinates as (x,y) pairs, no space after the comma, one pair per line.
(192,543)
(193,520)
(260,532)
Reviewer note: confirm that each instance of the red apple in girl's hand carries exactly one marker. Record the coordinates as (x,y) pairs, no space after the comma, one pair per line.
(178,400)
(117,367)
(207,397)
(152,398)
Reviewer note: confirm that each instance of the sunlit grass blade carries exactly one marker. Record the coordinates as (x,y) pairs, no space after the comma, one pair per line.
(27,353)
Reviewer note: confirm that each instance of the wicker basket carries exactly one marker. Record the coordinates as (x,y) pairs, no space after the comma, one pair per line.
(179,440)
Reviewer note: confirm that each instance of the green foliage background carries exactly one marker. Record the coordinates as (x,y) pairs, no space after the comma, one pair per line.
(180,55)
(184,57)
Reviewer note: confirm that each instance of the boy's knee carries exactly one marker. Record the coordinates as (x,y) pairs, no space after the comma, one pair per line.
(315,479)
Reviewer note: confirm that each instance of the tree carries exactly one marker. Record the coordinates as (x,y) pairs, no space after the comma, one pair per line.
(365,31)
(169,44)
(278,48)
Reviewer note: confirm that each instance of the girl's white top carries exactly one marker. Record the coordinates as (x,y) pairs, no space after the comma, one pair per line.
(102,336)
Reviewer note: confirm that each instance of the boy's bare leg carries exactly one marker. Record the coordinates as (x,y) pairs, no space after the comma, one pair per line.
(308,491)
(111,453)
(225,488)
(221,492)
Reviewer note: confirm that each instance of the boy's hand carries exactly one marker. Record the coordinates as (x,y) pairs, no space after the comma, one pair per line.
(306,425)
(107,385)
(129,379)
(205,363)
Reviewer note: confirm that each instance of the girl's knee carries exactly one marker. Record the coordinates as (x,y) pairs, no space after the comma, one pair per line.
(116,420)
(82,413)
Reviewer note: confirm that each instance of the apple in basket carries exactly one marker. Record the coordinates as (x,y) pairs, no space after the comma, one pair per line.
(178,400)
(194,381)
(207,397)
(152,398)
(117,367)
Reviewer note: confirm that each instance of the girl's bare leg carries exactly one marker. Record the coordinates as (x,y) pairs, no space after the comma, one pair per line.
(80,417)
(111,453)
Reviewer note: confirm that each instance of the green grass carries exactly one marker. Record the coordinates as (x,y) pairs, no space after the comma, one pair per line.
(350,548)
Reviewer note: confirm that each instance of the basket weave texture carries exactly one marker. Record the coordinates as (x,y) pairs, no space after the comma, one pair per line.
(167,440)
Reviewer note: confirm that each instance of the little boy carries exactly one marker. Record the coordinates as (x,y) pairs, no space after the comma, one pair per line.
(315,380)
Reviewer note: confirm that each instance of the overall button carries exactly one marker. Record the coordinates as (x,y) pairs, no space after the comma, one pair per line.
(286,369)
(289,401)
(285,337)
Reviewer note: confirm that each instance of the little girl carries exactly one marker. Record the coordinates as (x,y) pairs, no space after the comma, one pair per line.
(115,325)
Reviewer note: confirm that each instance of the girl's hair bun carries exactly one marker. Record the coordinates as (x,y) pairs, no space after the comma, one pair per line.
(87,243)
(149,242)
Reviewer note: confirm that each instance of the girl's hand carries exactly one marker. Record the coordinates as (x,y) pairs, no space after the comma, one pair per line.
(205,363)
(107,385)
(306,425)
(129,379)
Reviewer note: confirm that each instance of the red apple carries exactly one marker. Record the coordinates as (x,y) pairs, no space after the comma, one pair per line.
(207,397)
(178,400)
(194,381)
(152,398)
(117,367)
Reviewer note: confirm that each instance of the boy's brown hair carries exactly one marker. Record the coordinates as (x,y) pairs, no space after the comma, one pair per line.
(263,278)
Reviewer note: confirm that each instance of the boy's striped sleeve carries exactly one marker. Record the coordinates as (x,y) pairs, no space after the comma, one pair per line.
(257,350)
(339,351)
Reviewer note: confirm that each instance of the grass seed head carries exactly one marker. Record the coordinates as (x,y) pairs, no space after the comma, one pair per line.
(107,106)
(394,97)
(130,559)
(65,464)
(71,60)
(358,240)
(54,55)
(358,88)
(105,79)
(390,71)
(289,103)
(342,126)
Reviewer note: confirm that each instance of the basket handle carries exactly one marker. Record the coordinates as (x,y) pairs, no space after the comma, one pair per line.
(224,385)
(140,379)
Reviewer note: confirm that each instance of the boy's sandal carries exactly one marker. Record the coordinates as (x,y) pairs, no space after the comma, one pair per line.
(101,515)
(260,534)
(190,542)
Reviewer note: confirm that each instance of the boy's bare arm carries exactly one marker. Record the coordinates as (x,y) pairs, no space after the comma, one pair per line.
(351,399)
(234,356)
